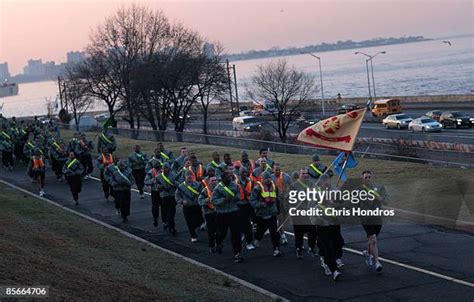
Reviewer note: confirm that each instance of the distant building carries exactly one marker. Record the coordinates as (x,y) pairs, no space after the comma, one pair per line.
(34,68)
(74,57)
(4,73)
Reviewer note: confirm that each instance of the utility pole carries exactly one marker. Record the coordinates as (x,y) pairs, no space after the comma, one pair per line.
(230,87)
(236,90)
(60,92)
(368,79)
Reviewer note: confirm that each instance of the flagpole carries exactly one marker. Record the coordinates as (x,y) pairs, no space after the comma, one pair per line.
(343,168)
(301,202)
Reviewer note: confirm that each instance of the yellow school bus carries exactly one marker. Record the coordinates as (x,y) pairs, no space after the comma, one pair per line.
(383,108)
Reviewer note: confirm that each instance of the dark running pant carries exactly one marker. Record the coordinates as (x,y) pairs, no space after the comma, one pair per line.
(245,214)
(75,184)
(7,158)
(268,224)
(193,217)
(211,228)
(225,221)
(40,176)
(18,151)
(86,161)
(105,186)
(329,243)
(123,198)
(155,206)
(139,176)
(57,166)
(300,230)
(168,210)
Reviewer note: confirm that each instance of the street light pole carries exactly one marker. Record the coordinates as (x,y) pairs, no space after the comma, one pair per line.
(321,79)
(370,58)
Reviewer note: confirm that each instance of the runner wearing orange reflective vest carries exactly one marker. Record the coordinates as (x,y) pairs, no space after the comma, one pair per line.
(37,170)
(258,171)
(282,182)
(264,201)
(246,213)
(245,163)
(208,208)
(103,161)
(196,169)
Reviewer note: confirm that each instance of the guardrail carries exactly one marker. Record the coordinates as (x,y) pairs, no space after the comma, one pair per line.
(368,148)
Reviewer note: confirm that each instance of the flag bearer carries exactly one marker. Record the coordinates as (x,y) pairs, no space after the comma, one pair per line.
(264,201)
(73,171)
(187,195)
(59,156)
(137,162)
(106,140)
(86,147)
(317,168)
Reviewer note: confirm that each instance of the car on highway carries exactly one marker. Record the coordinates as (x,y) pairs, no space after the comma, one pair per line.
(456,119)
(245,113)
(424,124)
(398,121)
(434,114)
(303,123)
(347,108)
(102,117)
(246,123)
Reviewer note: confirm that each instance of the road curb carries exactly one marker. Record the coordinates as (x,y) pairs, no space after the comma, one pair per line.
(252,286)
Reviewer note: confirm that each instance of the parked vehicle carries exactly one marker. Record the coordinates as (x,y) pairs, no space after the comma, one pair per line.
(456,119)
(102,117)
(434,114)
(246,113)
(246,123)
(347,108)
(398,121)
(383,108)
(303,123)
(424,124)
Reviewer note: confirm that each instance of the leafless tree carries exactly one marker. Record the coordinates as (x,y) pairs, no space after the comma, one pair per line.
(132,35)
(76,95)
(286,88)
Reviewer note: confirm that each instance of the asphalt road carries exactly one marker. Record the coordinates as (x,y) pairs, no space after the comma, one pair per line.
(425,263)
(449,135)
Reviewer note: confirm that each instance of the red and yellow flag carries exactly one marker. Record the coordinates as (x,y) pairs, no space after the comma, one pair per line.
(337,132)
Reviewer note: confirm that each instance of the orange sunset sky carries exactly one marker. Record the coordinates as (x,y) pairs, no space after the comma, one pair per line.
(47,29)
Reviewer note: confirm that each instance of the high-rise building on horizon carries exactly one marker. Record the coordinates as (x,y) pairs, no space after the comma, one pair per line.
(74,57)
(4,73)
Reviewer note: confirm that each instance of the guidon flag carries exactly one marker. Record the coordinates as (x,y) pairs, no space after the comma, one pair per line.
(337,132)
